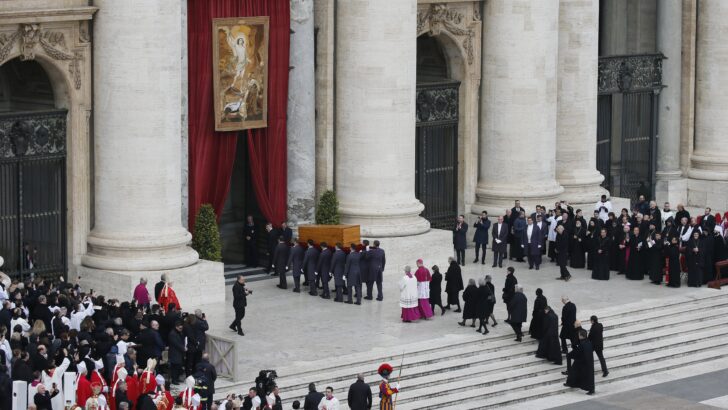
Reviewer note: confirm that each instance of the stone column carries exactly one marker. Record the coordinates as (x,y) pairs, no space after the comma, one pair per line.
(376,49)
(669,186)
(137,138)
(301,115)
(708,161)
(576,126)
(518,105)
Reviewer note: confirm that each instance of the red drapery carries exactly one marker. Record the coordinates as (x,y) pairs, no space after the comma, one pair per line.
(212,154)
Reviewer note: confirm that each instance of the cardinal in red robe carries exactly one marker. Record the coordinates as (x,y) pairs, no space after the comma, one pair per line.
(166,297)
(83,385)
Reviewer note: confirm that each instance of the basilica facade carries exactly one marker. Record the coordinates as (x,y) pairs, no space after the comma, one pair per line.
(412,111)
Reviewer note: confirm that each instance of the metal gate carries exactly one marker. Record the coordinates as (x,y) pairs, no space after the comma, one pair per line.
(629,88)
(436,172)
(33,193)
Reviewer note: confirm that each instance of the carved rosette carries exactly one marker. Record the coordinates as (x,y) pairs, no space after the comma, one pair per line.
(29,37)
(438,17)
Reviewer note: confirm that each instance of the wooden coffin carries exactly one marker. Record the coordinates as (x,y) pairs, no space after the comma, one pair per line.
(331,234)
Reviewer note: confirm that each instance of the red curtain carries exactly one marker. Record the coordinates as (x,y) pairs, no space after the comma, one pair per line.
(212,154)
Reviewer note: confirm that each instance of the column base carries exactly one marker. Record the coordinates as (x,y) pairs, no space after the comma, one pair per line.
(707,193)
(670,187)
(399,221)
(582,186)
(196,285)
(496,198)
(158,251)
(708,167)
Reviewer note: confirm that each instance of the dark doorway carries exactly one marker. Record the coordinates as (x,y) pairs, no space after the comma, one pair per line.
(32,173)
(437,114)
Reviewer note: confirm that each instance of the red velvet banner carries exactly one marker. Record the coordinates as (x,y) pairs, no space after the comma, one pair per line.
(211,153)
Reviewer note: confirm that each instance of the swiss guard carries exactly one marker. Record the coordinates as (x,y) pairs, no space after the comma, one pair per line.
(386,389)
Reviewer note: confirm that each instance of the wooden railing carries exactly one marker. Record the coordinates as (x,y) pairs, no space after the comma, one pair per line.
(222,355)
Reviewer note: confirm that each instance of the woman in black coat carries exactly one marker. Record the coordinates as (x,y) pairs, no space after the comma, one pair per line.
(694,254)
(454,279)
(436,289)
(671,250)
(484,306)
(470,296)
(489,284)
(536,328)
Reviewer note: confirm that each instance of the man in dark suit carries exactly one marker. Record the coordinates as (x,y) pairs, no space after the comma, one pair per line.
(708,221)
(360,394)
(250,234)
(286,233)
(531,242)
(281,255)
(338,262)
(518,309)
(376,259)
(323,270)
(159,286)
(568,317)
(272,236)
(515,213)
(596,337)
(459,239)
(482,230)
(313,398)
(562,252)
(310,262)
(240,301)
(500,242)
(352,271)
(295,262)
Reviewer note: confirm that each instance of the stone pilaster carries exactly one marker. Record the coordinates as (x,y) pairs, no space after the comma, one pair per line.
(375,116)
(576,124)
(518,105)
(670,186)
(137,132)
(301,132)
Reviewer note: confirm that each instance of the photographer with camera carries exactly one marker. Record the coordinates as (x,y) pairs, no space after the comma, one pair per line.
(240,301)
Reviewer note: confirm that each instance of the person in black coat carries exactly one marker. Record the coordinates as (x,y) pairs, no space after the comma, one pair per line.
(518,308)
(596,337)
(436,289)
(176,353)
(535,328)
(286,233)
(509,289)
(338,265)
(548,345)
(483,306)
(671,251)
(577,250)
(295,263)
(708,240)
(313,398)
(489,284)
(352,271)
(655,258)
(310,262)
(454,285)
(581,374)
(470,296)
(6,389)
(281,254)
(562,252)
(694,257)
(500,234)
(42,398)
(376,260)
(637,253)
(602,251)
(459,239)
(531,242)
(360,394)
(271,240)
(568,317)
(482,230)
(240,301)
(250,235)
(323,269)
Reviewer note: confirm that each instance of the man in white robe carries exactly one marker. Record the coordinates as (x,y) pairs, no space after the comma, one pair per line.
(604,206)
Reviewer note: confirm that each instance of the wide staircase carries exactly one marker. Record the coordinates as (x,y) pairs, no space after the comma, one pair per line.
(495,371)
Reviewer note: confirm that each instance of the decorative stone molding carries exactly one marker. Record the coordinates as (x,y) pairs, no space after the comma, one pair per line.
(630,73)
(440,17)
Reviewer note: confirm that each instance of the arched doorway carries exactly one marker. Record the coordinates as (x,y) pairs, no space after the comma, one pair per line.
(437,114)
(32,172)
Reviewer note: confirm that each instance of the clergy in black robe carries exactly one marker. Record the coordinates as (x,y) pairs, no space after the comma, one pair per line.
(635,261)
(436,289)
(601,256)
(655,258)
(470,297)
(672,252)
(548,345)
(581,374)
(454,285)
(577,253)
(694,255)
(709,257)
(623,249)
(592,242)
(509,288)
(669,230)
(562,252)
(568,318)
(536,327)
(720,249)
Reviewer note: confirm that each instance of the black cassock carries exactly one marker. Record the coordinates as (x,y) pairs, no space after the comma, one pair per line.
(581,374)
(672,252)
(549,346)
(454,285)
(592,242)
(655,261)
(622,251)
(709,258)
(436,289)
(694,260)
(470,296)
(577,252)
(635,261)
(720,252)
(601,259)
(536,328)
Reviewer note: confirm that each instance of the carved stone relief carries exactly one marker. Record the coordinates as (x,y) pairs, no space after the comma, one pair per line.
(438,17)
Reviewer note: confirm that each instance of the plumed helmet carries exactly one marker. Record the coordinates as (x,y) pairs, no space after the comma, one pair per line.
(385,370)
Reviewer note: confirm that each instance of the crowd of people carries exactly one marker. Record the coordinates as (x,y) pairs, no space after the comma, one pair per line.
(123,354)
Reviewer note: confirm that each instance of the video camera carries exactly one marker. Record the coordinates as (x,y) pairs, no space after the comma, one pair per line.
(265,382)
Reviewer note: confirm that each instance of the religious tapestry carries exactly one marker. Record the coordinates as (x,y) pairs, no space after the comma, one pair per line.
(240,72)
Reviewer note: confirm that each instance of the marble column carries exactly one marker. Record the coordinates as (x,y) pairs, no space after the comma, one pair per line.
(670,187)
(376,64)
(518,105)
(137,138)
(301,115)
(709,164)
(576,124)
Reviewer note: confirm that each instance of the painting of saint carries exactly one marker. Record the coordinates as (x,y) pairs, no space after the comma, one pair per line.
(240,73)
